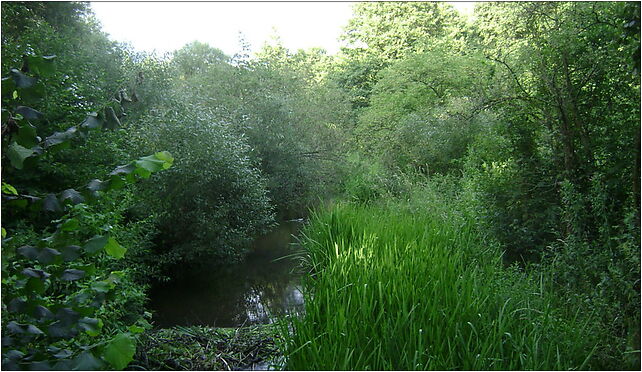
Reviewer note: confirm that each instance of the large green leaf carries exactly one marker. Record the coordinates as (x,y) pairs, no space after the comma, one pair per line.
(17,154)
(114,249)
(87,362)
(95,244)
(120,351)
(27,136)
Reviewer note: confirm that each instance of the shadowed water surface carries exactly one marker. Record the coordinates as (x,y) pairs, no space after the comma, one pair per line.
(251,292)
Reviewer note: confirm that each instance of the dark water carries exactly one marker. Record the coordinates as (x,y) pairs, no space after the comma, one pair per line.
(252,292)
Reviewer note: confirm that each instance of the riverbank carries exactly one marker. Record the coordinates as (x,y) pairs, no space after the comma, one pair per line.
(208,348)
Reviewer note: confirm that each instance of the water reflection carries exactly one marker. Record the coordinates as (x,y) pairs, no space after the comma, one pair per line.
(253,292)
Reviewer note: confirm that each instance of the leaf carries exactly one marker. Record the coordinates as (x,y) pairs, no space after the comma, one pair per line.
(47,255)
(151,163)
(71,195)
(166,157)
(27,136)
(60,330)
(64,353)
(21,80)
(71,224)
(35,273)
(29,113)
(120,351)
(17,154)
(67,316)
(35,285)
(14,327)
(17,305)
(8,189)
(32,93)
(70,252)
(136,329)
(86,361)
(51,204)
(32,329)
(95,244)
(28,251)
(72,274)
(114,249)
(92,121)
(60,137)
(123,169)
(41,312)
(102,286)
(92,326)
(96,185)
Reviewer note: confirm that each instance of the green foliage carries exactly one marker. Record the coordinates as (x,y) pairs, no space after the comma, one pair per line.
(211,203)
(285,110)
(410,285)
(393,30)
(56,289)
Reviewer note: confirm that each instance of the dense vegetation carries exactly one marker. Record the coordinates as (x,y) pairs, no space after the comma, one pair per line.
(475,181)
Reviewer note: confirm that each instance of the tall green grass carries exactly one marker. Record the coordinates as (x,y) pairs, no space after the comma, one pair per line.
(400,287)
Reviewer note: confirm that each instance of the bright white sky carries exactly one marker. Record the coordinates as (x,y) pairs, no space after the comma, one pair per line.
(167,26)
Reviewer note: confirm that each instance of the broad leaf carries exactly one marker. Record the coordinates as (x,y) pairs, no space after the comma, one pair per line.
(35,273)
(51,204)
(27,136)
(95,244)
(60,137)
(17,154)
(71,224)
(28,251)
(72,274)
(47,255)
(120,351)
(86,361)
(29,113)
(92,121)
(70,252)
(114,249)
(71,195)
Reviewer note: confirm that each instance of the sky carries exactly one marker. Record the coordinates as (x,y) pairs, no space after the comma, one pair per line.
(167,26)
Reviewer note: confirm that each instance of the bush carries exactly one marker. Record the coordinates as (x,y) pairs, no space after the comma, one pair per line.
(214,200)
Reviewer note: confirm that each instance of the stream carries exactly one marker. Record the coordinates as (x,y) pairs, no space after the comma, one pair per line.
(255,291)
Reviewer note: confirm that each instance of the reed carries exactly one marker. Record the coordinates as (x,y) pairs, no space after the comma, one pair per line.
(398,288)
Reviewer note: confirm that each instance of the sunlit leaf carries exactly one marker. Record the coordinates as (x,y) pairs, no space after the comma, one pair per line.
(114,249)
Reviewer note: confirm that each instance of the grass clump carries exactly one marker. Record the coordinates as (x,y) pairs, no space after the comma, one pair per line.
(404,286)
